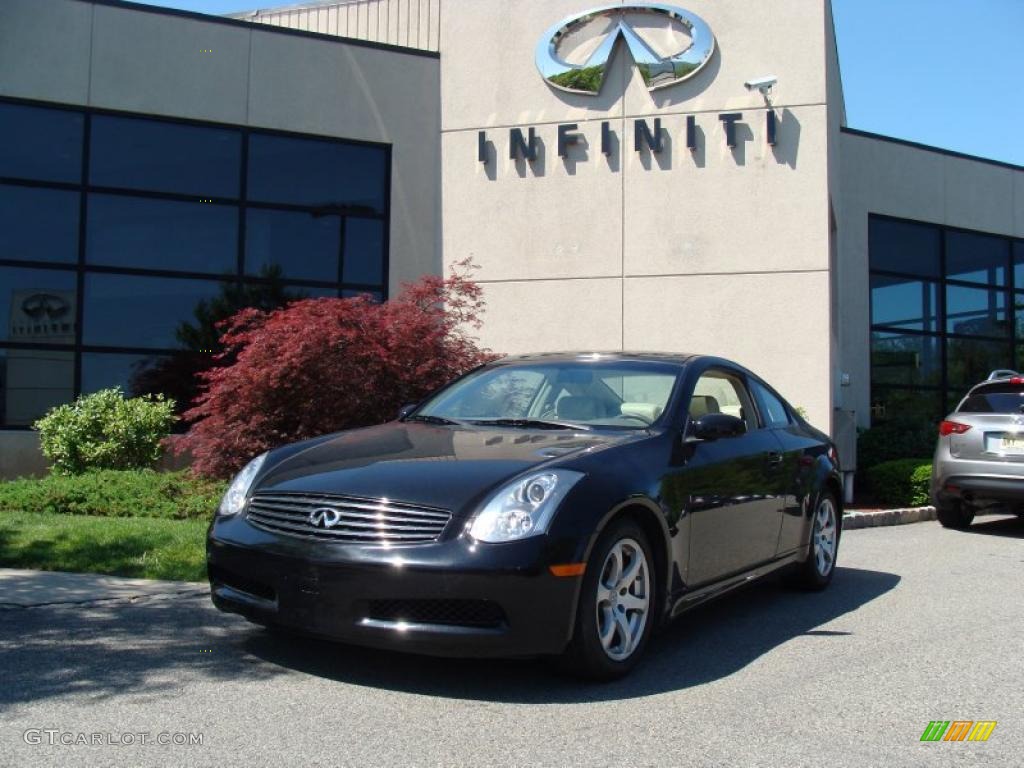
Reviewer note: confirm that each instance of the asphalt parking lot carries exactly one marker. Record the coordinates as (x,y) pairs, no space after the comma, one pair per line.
(920,624)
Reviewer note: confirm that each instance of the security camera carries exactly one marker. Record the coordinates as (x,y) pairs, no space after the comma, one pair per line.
(763,84)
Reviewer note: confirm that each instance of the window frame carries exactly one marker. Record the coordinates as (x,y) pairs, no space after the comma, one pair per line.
(79,267)
(1011,289)
(739,379)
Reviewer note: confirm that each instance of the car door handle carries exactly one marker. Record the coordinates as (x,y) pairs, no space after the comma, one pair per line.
(773,458)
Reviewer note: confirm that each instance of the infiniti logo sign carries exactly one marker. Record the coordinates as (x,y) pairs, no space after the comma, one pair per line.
(657,71)
(324,517)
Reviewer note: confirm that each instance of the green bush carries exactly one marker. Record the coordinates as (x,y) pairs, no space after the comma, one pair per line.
(901,483)
(105,430)
(115,493)
(900,439)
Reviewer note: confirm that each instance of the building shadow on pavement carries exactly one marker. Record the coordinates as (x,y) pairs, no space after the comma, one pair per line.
(706,644)
(144,646)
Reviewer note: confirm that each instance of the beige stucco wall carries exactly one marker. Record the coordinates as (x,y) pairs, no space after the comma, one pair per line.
(718,251)
(894,179)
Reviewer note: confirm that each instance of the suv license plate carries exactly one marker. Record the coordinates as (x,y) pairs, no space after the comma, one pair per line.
(1011,444)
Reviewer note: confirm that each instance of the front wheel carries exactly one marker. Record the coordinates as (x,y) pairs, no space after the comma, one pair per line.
(617,605)
(816,571)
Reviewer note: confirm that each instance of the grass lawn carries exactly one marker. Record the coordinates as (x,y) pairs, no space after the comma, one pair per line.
(146,548)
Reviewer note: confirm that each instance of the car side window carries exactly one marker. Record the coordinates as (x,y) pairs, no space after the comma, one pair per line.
(772,409)
(722,392)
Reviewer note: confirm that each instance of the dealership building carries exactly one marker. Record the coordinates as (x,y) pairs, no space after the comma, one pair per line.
(633,176)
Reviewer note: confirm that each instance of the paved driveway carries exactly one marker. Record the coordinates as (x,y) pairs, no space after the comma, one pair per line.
(920,624)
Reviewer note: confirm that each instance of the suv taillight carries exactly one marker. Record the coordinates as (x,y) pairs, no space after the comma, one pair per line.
(952,428)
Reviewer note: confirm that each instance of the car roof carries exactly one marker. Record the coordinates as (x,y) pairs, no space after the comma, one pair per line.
(551,357)
(997,378)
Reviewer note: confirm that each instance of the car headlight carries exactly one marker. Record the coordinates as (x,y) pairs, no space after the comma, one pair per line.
(524,507)
(234,497)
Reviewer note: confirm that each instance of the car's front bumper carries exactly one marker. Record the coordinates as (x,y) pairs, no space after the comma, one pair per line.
(451,598)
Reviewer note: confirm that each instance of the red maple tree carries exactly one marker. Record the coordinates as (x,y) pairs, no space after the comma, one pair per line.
(322,365)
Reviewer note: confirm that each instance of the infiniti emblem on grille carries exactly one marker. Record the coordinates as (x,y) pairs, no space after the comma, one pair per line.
(324,517)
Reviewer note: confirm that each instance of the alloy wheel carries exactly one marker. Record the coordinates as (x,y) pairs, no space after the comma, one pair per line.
(824,536)
(623,599)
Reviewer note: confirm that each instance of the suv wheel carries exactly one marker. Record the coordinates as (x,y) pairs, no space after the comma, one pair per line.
(954,514)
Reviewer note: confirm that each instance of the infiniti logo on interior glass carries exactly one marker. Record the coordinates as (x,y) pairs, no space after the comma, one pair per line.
(657,71)
(324,517)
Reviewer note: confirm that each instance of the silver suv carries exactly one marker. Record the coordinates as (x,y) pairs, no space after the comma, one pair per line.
(979,461)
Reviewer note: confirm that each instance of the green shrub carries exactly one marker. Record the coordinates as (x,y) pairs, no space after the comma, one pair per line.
(105,430)
(899,439)
(901,483)
(115,493)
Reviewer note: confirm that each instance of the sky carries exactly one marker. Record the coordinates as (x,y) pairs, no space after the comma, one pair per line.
(949,73)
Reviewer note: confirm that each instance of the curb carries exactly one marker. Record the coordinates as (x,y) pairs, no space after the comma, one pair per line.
(852,520)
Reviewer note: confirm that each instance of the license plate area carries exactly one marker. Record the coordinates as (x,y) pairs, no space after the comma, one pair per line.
(1005,443)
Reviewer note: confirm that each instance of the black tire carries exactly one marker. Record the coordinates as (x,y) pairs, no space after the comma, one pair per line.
(807,575)
(954,514)
(586,656)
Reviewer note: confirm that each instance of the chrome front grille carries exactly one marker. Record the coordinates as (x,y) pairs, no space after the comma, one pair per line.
(358,521)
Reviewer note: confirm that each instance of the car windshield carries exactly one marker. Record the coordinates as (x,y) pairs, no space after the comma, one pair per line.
(588,394)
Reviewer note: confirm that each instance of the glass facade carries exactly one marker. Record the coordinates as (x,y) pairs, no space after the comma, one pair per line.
(124,238)
(947,308)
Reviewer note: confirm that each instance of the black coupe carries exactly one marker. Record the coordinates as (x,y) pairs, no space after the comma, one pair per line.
(560,504)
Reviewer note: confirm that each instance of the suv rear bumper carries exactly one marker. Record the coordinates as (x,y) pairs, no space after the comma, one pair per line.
(979,489)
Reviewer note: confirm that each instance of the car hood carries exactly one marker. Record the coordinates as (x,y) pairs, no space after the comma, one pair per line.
(440,466)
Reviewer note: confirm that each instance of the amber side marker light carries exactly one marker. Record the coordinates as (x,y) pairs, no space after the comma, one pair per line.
(570,569)
(952,428)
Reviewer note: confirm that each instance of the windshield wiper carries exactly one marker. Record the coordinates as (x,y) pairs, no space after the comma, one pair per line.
(535,423)
(428,419)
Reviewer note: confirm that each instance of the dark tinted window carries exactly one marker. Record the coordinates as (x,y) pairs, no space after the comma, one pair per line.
(904,303)
(903,246)
(976,311)
(37,305)
(161,234)
(41,144)
(969,361)
(977,258)
(166,157)
(890,403)
(772,410)
(158,215)
(364,251)
(352,292)
(38,224)
(101,370)
(1018,263)
(906,359)
(32,381)
(304,246)
(1006,398)
(316,173)
(130,311)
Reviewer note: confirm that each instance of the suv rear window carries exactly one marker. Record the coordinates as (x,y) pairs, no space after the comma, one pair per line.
(1003,398)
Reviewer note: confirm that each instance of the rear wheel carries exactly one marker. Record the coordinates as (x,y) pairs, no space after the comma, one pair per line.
(954,514)
(616,611)
(816,571)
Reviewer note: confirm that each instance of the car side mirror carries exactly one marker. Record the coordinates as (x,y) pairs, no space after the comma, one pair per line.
(406,409)
(715,426)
